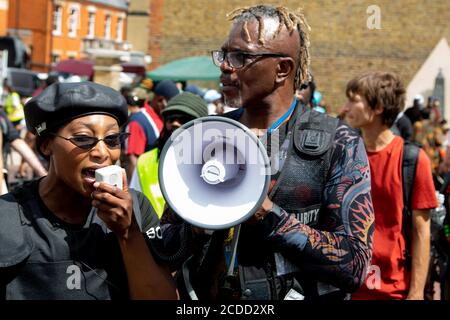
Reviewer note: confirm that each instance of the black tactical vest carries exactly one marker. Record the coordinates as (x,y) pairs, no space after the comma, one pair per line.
(298,190)
(43,258)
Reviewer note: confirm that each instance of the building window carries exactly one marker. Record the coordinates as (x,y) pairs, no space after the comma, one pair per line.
(91,25)
(57,20)
(55,58)
(119,31)
(73,22)
(107,27)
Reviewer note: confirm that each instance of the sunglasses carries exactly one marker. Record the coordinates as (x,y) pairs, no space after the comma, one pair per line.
(87,142)
(238,59)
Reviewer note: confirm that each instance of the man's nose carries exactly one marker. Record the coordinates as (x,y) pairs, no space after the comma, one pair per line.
(346,107)
(225,66)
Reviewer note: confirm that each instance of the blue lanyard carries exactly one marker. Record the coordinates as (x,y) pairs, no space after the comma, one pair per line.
(282,118)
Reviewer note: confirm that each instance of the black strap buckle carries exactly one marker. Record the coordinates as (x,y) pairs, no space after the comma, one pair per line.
(312,140)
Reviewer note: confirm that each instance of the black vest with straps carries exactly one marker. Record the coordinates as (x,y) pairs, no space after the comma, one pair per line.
(41,257)
(298,189)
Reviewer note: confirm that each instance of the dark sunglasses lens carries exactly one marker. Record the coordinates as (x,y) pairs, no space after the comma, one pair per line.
(84,142)
(115,140)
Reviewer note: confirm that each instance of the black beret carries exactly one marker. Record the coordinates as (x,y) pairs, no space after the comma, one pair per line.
(62,102)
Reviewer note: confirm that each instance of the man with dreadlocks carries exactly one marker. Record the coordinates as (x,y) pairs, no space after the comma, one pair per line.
(312,237)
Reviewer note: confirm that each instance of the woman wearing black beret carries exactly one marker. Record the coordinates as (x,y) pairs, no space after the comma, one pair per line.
(66,236)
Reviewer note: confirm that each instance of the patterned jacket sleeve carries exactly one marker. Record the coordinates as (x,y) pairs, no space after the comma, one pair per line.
(339,250)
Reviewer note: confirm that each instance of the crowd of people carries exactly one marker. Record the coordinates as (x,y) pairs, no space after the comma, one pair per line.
(357,210)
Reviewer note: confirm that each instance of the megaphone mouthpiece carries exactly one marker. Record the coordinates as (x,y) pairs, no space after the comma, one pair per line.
(215,172)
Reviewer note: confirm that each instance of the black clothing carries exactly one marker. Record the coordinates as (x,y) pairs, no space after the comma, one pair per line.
(320,244)
(43,257)
(403,128)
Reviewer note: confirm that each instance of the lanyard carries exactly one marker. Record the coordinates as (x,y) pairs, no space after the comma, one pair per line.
(277,123)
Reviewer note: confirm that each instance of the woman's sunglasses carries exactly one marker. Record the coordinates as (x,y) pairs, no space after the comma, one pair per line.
(87,142)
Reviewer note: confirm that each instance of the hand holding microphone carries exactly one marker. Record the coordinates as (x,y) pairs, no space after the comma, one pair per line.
(112,200)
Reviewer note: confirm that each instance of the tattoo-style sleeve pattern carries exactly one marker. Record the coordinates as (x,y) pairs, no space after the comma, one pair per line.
(338,250)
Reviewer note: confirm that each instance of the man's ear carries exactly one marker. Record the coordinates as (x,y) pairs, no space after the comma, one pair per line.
(285,67)
(379,109)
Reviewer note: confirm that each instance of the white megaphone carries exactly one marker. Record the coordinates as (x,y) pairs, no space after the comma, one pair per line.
(214,172)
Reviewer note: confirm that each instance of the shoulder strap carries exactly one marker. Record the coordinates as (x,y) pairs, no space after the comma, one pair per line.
(314,133)
(313,136)
(409,165)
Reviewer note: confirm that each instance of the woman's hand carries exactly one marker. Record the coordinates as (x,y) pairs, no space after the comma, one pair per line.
(115,206)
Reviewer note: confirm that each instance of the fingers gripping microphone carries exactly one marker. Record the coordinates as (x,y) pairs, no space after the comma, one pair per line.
(214,172)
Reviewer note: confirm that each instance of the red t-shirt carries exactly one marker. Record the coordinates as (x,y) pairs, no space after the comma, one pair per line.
(387,278)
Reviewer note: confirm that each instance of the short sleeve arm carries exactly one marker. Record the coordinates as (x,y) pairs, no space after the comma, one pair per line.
(424,194)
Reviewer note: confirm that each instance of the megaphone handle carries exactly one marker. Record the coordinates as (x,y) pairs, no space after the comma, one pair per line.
(187,280)
(234,244)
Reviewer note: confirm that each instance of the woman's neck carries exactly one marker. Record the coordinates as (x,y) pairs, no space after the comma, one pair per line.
(63,201)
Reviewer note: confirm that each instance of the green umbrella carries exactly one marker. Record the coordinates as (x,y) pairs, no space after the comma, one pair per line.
(192,68)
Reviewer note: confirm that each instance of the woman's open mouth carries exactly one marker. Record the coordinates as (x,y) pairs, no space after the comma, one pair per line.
(88,175)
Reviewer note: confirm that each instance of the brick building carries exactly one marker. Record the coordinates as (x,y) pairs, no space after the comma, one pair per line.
(345,41)
(138,25)
(57,29)
(3,17)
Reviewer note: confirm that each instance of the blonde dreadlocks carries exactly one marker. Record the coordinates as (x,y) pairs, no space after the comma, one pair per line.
(292,20)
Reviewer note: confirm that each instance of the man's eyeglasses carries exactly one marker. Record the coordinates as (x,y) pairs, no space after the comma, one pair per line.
(88,142)
(236,59)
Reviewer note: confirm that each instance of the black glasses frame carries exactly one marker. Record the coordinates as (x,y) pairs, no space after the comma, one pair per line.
(88,142)
(219,57)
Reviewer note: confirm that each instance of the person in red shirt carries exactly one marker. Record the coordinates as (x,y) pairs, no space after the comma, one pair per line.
(374,101)
(146,125)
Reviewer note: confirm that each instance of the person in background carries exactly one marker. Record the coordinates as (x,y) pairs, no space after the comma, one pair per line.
(180,110)
(403,127)
(414,112)
(25,170)
(3,187)
(163,92)
(428,133)
(374,101)
(13,105)
(12,139)
(194,89)
(213,99)
(145,126)
(306,93)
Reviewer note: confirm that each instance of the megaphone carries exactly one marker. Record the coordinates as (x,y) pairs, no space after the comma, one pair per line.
(214,172)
